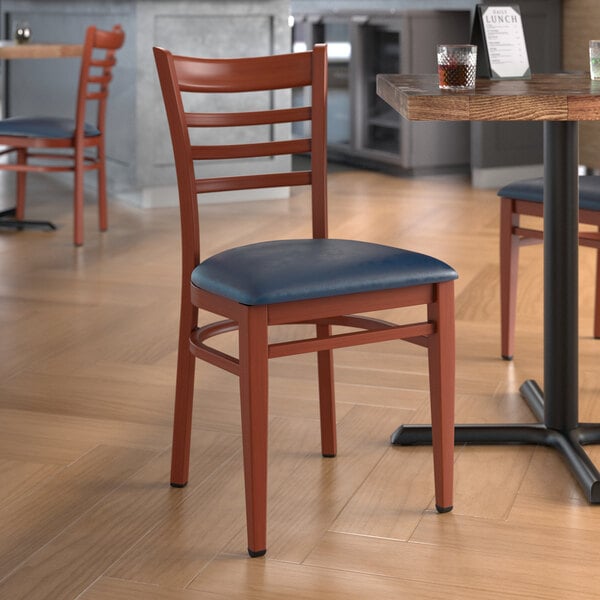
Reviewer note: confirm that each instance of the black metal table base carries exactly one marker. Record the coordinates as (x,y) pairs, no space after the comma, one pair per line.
(556,409)
(8,223)
(569,443)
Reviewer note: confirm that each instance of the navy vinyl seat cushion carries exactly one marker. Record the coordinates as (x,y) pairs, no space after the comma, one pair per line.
(43,127)
(288,270)
(533,190)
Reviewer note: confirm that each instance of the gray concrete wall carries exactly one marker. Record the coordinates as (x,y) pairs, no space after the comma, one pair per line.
(140,166)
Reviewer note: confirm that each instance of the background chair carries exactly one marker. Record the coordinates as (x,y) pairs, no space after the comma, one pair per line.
(526,198)
(318,280)
(45,139)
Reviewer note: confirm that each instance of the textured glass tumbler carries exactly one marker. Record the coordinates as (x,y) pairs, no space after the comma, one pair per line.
(457,64)
(595,59)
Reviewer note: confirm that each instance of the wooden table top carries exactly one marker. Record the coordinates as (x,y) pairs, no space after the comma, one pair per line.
(552,97)
(11,50)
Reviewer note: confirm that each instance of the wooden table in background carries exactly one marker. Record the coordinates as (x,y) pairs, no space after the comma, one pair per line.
(10,50)
(561,101)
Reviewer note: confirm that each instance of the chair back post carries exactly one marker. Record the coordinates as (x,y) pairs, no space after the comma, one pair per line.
(110,42)
(319,141)
(184,164)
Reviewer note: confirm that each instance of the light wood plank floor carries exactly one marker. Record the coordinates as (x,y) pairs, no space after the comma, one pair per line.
(87,363)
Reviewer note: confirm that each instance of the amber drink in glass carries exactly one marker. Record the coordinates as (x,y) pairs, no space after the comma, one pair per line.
(457,64)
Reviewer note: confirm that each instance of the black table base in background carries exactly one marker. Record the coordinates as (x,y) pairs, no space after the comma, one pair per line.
(7,222)
(557,407)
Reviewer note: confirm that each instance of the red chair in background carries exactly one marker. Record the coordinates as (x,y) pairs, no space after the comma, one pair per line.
(317,281)
(526,197)
(38,137)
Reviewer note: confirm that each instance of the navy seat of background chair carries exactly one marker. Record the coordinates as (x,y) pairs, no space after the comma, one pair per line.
(44,127)
(533,190)
(526,197)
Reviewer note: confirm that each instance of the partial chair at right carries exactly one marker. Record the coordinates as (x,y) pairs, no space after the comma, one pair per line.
(526,197)
(315,280)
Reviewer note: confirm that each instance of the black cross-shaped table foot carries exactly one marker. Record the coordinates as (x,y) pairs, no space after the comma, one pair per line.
(569,443)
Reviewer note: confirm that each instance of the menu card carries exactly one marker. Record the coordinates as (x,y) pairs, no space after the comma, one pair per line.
(501,49)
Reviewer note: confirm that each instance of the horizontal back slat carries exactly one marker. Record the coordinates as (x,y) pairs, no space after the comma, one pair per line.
(264,117)
(109,61)
(96,95)
(226,151)
(109,40)
(100,79)
(245,182)
(243,74)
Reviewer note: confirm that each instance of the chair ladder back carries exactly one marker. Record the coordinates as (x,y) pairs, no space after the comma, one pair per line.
(247,75)
(103,80)
(96,73)
(181,74)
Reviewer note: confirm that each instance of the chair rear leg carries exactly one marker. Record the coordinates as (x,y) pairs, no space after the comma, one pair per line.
(253,359)
(78,198)
(102,206)
(509,264)
(442,392)
(326,396)
(21,184)
(184,397)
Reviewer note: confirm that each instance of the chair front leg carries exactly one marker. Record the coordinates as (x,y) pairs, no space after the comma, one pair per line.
(442,391)
(326,396)
(254,374)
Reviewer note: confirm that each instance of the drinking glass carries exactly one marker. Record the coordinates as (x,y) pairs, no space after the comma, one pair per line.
(457,64)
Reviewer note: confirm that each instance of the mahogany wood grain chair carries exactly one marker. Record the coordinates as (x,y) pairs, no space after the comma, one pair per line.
(318,280)
(43,143)
(526,197)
